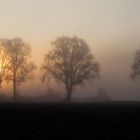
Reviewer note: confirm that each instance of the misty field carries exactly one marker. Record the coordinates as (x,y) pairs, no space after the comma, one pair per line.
(83,121)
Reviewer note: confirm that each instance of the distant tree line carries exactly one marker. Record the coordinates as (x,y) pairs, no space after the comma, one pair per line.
(70,62)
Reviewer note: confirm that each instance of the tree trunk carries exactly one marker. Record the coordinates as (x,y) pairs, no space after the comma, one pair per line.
(14,90)
(14,86)
(68,97)
(68,94)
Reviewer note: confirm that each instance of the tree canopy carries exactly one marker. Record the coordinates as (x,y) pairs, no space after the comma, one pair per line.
(21,67)
(70,62)
(4,65)
(136,66)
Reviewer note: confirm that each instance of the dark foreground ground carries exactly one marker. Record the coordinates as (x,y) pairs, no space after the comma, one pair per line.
(75,121)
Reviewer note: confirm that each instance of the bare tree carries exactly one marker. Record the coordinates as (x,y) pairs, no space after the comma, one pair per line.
(19,57)
(70,62)
(4,65)
(136,66)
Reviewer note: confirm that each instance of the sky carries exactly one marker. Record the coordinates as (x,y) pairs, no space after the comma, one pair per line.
(110,27)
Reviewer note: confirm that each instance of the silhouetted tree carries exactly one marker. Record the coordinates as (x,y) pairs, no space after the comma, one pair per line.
(19,57)
(136,66)
(70,62)
(4,65)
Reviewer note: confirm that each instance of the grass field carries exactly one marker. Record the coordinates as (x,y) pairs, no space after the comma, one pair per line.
(76,121)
